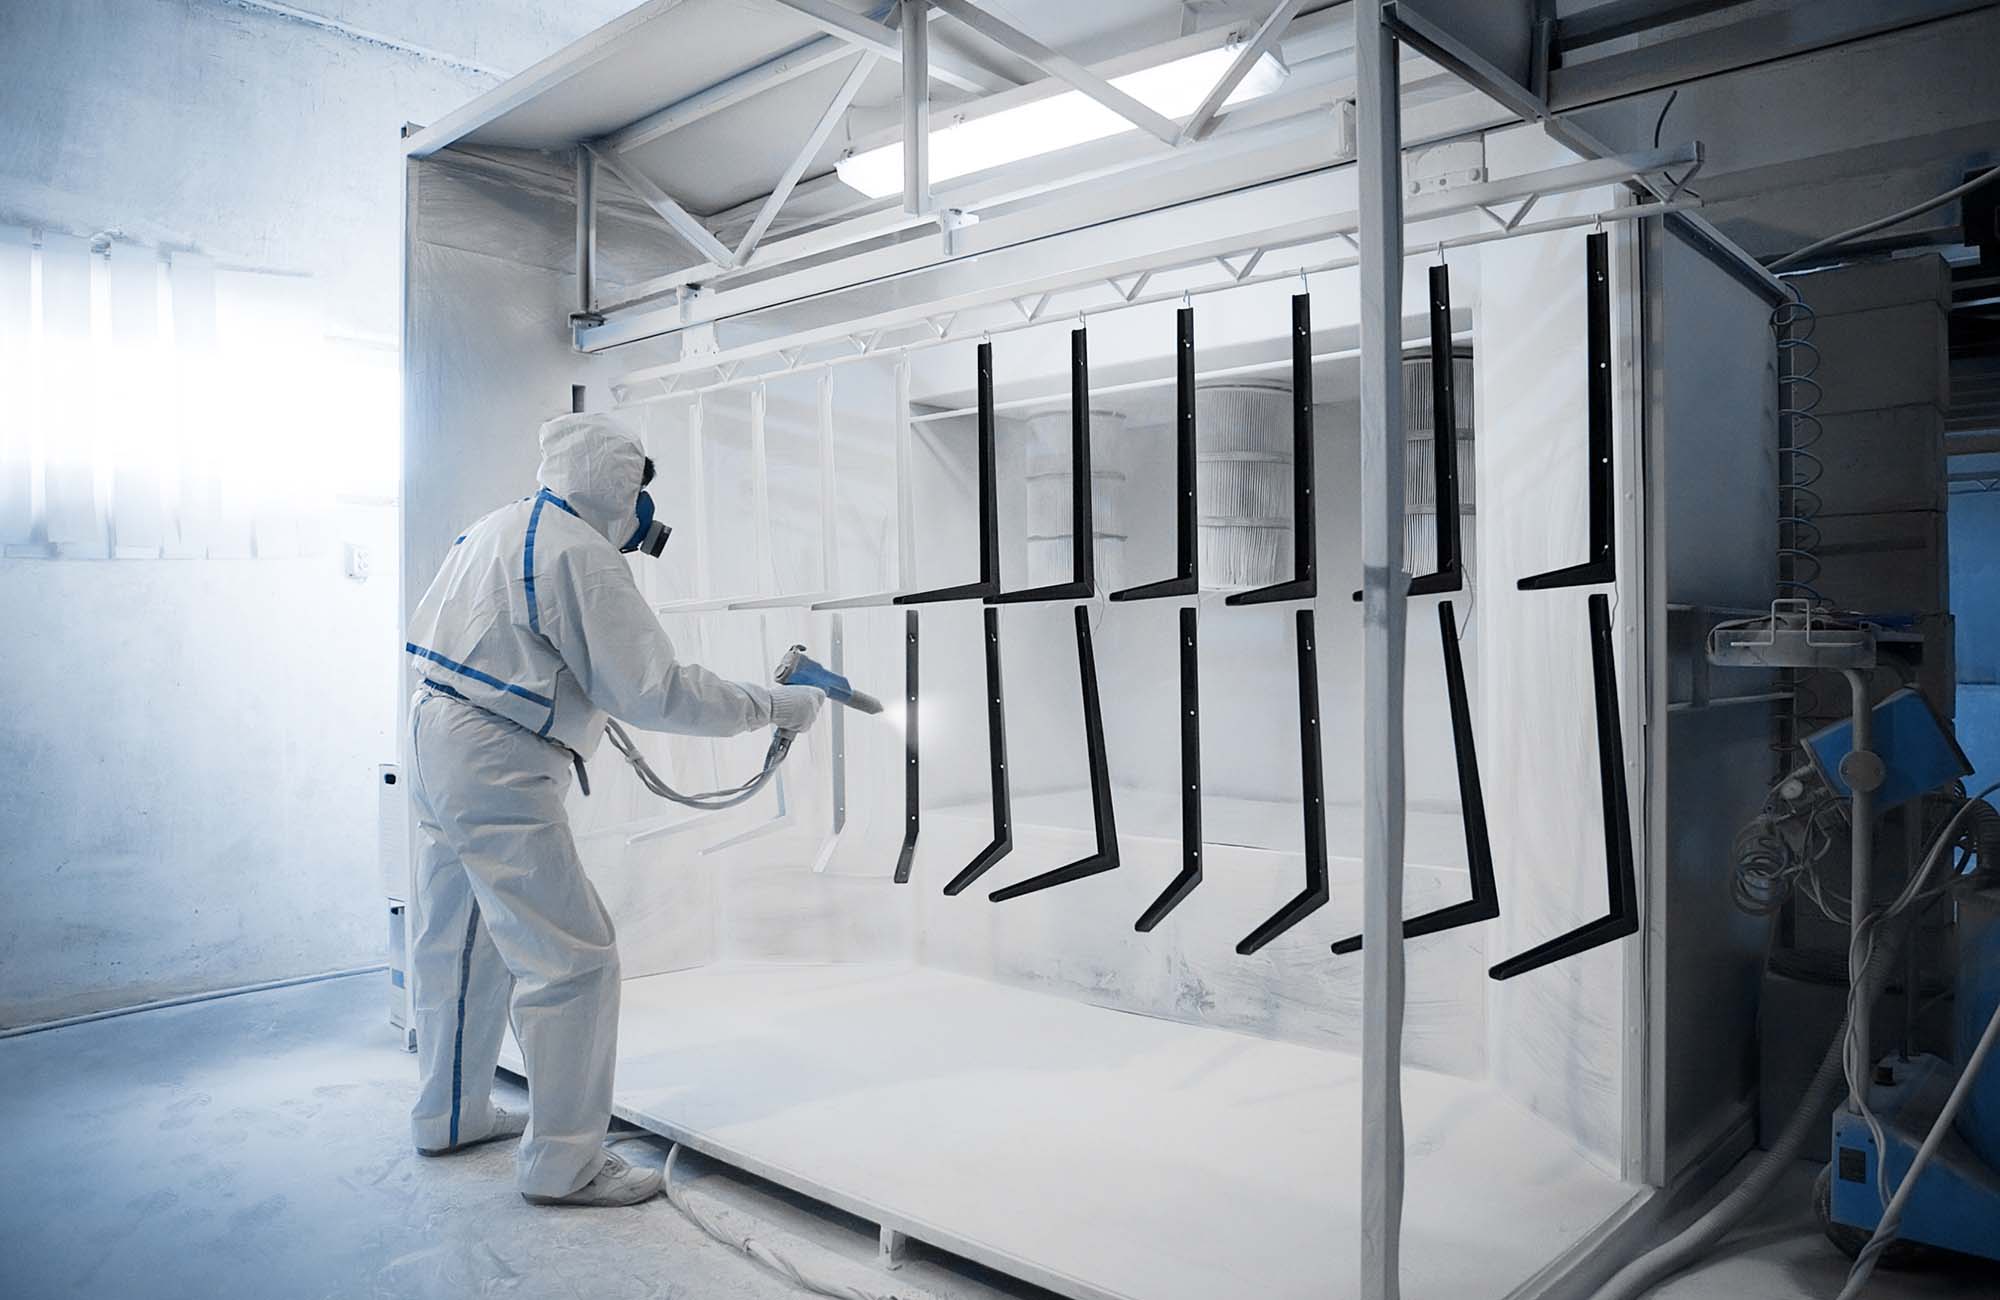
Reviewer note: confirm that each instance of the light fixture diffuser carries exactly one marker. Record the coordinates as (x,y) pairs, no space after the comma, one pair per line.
(1173,89)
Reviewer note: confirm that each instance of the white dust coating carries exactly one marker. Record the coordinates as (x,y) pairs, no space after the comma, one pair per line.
(1098,1153)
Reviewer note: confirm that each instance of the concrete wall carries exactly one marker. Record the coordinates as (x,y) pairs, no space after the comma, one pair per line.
(190,744)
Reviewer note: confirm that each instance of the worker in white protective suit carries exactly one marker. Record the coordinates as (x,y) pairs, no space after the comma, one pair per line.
(532,632)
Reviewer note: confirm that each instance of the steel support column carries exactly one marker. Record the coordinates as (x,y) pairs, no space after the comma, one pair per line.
(586,234)
(1383,592)
(916,107)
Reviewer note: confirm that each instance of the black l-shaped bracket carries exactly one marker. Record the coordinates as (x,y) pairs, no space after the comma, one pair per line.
(1450,572)
(910,786)
(1601,566)
(1621,872)
(1449,575)
(1106,856)
(989,505)
(1189,875)
(1484,904)
(1186,527)
(1303,584)
(1311,799)
(1083,578)
(1002,842)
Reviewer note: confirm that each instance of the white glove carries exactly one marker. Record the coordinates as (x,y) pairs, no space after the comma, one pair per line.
(794,708)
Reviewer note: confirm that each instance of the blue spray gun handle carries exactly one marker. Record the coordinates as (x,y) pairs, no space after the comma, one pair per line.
(798,669)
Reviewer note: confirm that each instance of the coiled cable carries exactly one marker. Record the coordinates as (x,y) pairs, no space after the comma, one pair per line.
(1799,469)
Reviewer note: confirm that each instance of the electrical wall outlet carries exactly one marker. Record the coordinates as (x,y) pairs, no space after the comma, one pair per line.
(357,561)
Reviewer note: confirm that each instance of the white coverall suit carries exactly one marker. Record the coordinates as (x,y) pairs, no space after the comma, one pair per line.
(532,631)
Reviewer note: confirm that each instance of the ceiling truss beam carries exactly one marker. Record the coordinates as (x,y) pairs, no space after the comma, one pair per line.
(814,142)
(1265,39)
(678,219)
(858,29)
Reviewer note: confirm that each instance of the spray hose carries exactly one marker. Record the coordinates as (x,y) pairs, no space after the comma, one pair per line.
(795,669)
(707,800)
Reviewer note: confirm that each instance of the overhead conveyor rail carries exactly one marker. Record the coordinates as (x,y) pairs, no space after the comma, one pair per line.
(1275,228)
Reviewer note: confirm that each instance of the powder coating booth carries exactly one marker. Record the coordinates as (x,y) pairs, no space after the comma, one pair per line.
(1055,966)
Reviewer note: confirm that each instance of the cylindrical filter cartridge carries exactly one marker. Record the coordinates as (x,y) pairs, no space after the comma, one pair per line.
(1050,476)
(1243,484)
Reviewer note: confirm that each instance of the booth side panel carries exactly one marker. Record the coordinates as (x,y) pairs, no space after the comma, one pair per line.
(1713,364)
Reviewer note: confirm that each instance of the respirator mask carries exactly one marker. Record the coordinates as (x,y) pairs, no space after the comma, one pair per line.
(649,536)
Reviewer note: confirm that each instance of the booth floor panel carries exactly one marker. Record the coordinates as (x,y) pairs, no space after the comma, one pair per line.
(1094,1152)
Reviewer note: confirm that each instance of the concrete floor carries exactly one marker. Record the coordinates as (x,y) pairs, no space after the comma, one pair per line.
(257,1145)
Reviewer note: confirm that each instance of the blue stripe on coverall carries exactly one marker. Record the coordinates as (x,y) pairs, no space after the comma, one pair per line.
(477,676)
(458,1040)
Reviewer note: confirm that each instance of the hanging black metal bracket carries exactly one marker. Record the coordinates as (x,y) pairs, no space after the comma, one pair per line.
(1601,566)
(1484,904)
(1449,576)
(1185,581)
(989,505)
(1621,872)
(1311,798)
(1450,572)
(1106,856)
(910,785)
(1189,875)
(1083,578)
(996,748)
(1303,584)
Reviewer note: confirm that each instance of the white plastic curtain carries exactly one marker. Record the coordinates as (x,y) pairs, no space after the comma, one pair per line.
(157,406)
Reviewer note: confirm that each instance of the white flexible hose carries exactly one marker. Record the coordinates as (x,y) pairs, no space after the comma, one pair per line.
(1883,223)
(1871,955)
(1668,1258)
(793,1265)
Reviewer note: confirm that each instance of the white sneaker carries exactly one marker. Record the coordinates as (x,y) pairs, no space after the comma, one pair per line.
(618,1182)
(506,1124)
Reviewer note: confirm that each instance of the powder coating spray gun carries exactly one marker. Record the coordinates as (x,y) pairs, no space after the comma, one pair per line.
(795,669)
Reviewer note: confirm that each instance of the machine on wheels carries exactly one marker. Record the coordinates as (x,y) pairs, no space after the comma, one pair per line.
(1916,1144)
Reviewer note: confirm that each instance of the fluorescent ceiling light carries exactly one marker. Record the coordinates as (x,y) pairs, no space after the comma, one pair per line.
(1061,121)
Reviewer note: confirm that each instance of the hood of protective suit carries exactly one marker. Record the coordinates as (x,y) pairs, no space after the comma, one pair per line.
(594,464)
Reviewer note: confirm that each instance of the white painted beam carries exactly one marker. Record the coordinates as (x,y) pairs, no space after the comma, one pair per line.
(1202,123)
(678,219)
(916,108)
(815,140)
(857,29)
(730,91)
